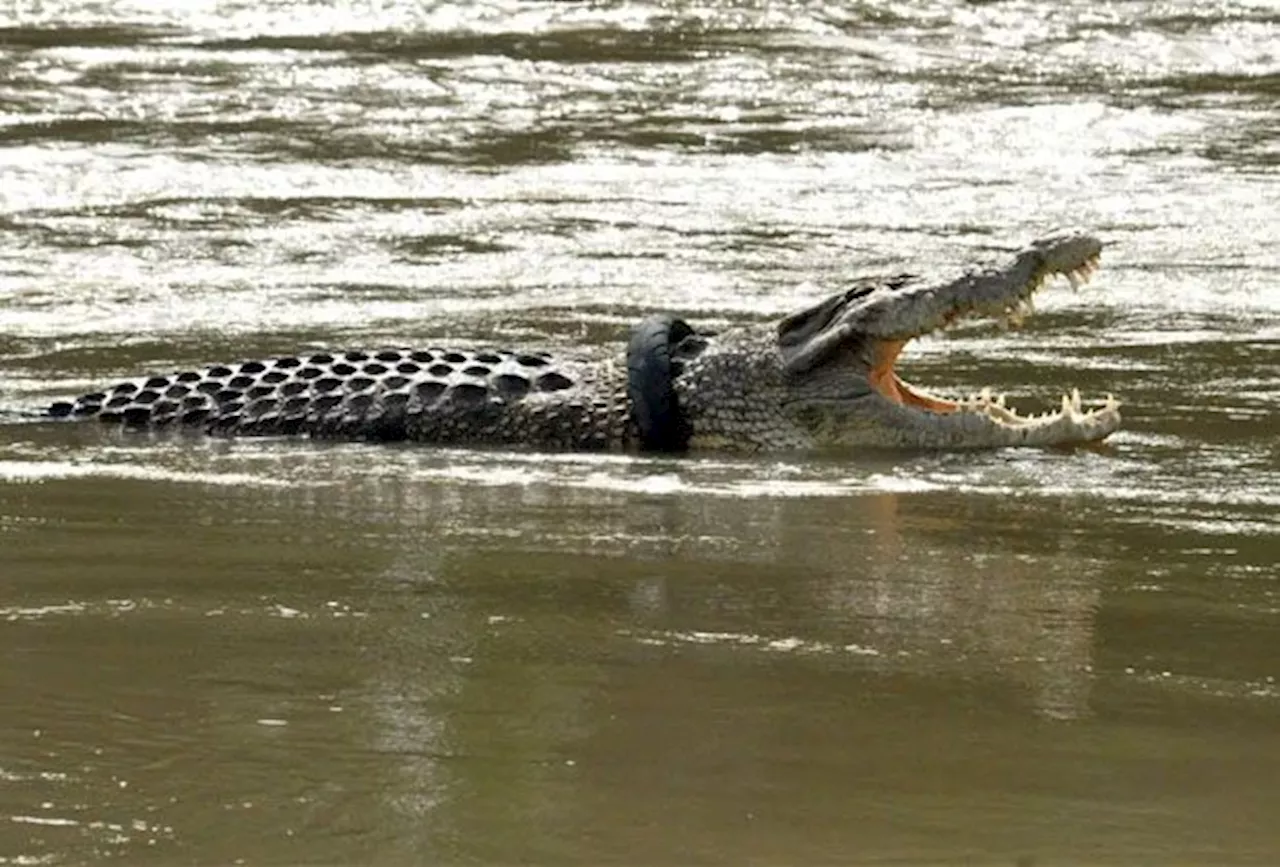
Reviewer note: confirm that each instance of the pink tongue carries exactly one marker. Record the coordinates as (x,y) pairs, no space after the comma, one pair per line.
(915,398)
(884,380)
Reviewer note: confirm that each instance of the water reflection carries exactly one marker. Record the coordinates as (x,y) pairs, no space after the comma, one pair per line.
(856,580)
(590,635)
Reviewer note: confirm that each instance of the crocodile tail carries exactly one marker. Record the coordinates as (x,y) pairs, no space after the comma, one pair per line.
(339,395)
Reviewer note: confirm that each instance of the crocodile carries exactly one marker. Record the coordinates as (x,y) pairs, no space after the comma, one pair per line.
(823,376)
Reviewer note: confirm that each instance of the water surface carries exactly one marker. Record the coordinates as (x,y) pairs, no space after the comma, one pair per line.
(289,652)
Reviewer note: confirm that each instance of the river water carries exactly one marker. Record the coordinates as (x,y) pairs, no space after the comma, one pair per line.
(284,652)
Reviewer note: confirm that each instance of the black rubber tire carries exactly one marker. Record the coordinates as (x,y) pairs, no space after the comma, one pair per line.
(655,407)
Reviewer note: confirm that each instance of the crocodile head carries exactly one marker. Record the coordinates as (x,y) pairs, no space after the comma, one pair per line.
(839,359)
(831,378)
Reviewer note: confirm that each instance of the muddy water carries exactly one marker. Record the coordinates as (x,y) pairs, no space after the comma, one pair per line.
(280,652)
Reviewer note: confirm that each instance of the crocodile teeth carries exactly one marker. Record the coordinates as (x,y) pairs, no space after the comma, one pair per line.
(1077,277)
(1071,404)
(1071,407)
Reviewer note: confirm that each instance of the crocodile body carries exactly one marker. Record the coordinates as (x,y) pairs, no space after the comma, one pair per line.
(436,395)
(823,376)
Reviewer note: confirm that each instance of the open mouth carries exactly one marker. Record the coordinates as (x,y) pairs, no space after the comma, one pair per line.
(1011,313)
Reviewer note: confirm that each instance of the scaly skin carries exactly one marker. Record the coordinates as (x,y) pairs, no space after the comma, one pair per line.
(821,377)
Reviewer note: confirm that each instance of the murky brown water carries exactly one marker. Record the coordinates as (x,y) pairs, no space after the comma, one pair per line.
(282,652)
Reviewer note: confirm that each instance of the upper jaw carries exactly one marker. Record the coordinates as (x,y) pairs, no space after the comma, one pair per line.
(1007,295)
(1003,291)
(903,307)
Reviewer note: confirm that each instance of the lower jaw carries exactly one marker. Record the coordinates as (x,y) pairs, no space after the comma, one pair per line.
(880,422)
(895,390)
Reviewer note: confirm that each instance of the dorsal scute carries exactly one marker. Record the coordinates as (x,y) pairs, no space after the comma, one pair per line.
(326,393)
